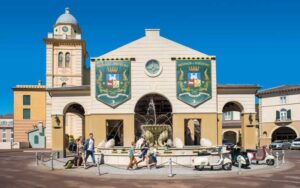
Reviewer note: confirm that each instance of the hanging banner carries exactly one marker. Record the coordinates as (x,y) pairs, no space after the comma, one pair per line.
(113,82)
(193,81)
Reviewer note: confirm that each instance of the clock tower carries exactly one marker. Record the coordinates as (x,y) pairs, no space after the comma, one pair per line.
(65,54)
(65,63)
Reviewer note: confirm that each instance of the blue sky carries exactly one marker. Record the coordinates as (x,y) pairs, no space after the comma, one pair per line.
(256,42)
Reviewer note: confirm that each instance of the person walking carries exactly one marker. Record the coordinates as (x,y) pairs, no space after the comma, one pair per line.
(89,146)
(80,152)
(132,160)
(144,150)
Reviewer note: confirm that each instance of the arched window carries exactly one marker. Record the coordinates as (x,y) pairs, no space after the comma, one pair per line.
(36,139)
(60,59)
(64,84)
(67,59)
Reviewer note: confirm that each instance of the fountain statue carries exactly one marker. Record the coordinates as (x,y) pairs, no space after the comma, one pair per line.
(155,134)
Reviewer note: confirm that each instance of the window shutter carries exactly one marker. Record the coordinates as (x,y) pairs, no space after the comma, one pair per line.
(289,114)
(277,115)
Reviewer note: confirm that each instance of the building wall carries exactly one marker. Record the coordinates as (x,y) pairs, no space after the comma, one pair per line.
(38,112)
(162,50)
(6,124)
(268,107)
(8,134)
(246,100)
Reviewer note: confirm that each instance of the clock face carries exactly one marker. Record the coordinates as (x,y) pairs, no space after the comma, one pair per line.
(65,29)
(153,67)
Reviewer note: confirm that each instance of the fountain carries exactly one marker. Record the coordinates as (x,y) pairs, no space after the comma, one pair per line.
(155,134)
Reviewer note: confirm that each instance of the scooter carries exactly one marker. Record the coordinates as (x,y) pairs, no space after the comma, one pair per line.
(237,155)
(265,158)
(210,160)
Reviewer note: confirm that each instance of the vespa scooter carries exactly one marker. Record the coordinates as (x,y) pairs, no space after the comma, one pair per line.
(265,158)
(210,160)
(237,155)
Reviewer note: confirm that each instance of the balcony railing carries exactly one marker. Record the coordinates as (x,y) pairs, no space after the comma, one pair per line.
(285,120)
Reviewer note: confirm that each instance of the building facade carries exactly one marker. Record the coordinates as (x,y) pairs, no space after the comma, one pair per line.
(29,110)
(279,118)
(6,130)
(124,88)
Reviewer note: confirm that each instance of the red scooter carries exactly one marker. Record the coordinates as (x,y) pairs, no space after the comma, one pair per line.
(265,157)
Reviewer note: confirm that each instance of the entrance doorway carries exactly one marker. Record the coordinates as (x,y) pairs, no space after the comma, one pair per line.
(230,136)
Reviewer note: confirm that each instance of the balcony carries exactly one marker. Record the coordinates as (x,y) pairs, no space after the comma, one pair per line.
(283,121)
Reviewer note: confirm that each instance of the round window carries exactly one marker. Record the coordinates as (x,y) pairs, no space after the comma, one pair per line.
(153,67)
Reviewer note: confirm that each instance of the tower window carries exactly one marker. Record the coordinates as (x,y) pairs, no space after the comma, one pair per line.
(60,59)
(67,59)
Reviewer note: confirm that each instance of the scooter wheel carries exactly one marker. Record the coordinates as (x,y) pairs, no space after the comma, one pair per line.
(199,167)
(270,162)
(227,166)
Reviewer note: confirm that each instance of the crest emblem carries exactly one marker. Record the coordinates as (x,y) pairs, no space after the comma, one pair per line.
(193,81)
(113,82)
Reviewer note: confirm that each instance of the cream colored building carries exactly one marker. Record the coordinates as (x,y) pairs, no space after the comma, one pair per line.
(279,117)
(72,106)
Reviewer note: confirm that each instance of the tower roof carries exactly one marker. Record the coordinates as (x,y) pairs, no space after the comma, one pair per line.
(66,18)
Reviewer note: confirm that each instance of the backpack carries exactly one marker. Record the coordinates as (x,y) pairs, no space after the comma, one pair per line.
(69,164)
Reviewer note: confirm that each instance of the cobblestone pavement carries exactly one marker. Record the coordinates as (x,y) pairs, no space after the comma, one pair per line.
(17,170)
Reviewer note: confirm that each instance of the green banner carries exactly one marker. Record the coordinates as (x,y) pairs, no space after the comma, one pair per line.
(193,81)
(113,82)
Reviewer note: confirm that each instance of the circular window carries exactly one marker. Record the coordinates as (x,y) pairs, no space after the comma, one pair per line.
(153,68)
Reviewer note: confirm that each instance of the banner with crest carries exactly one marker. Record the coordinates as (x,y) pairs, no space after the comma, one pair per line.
(193,81)
(113,82)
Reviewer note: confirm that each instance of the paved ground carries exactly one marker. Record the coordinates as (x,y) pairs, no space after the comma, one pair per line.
(16,171)
(162,172)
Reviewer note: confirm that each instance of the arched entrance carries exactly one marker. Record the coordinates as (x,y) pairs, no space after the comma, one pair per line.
(74,125)
(284,133)
(152,109)
(232,116)
(231,136)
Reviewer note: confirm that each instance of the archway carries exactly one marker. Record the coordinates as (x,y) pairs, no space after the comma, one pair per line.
(284,133)
(232,115)
(152,109)
(230,136)
(74,125)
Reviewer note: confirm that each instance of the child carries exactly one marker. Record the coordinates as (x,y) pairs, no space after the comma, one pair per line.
(153,157)
(132,160)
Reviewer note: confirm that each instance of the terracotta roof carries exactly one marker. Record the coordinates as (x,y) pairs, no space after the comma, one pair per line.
(7,116)
(284,89)
(237,88)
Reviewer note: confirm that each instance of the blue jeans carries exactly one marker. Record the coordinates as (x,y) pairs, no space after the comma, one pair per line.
(88,153)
